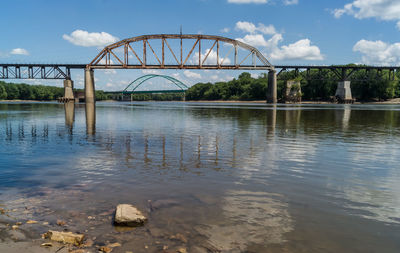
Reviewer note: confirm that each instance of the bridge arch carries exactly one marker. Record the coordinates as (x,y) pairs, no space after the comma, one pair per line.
(139,81)
(122,55)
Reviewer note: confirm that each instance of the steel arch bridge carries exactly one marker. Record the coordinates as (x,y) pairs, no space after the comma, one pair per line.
(139,81)
(219,53)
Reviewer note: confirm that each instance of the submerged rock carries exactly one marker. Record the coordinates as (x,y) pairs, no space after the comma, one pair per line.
(65,237)
(128,215)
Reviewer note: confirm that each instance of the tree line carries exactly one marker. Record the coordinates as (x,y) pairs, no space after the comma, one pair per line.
(22,91)
(315,86)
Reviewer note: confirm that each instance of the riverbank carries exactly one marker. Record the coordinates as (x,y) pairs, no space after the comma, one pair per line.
(389,101)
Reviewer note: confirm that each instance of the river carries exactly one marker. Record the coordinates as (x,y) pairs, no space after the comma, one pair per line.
(211,177)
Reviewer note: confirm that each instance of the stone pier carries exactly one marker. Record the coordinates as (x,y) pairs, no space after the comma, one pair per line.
(90,96)
(272,91)
(293,91)
(343,92)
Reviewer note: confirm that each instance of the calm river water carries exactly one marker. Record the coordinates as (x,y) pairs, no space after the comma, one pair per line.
(212,177)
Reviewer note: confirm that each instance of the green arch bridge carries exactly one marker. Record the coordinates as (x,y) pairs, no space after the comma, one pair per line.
(181,87)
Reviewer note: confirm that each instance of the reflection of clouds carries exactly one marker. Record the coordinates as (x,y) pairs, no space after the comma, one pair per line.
(378,196)
(248,218)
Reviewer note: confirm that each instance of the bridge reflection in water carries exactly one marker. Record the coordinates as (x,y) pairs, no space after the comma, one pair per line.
(281,175)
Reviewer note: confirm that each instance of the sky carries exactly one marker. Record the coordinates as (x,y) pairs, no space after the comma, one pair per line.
(318,32)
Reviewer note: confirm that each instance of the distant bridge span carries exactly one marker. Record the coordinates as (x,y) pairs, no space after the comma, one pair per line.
(139,81)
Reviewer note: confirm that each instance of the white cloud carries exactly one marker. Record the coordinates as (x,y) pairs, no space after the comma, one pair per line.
(378,52)
(192,75)
(290,2)
(19,51)
(255,40)
(151,71)
(398,25)
(379,9)
(248,1)
(225,30)
(252,28)
(300,50)
(211,59)
(86,39)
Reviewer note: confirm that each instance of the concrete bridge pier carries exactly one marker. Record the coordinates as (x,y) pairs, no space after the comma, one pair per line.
(272,90)
(343,92)
(90,96)
(69,90)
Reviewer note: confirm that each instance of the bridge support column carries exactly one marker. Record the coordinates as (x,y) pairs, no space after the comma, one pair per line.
(343,92)
(68,90)
(272,91)
(90,96)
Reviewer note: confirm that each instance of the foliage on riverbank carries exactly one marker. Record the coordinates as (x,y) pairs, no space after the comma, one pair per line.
(22,91)
(320,86)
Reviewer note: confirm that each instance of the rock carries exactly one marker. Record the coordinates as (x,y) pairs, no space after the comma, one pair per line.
(179,237)
(2,211)
(78,251)
(61,223)
(46,244)
(15,227)
(114,245)
(165,247)
(181,250)
(31,222)
(65,237)
(16,235)
(18,223)
(105,249)
(45,223)
(88,243)
(128,215)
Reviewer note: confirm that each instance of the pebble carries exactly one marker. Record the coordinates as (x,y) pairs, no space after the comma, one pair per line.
(31,222)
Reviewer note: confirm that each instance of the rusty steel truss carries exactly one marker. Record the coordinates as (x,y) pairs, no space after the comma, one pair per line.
(37,71)
(110,57)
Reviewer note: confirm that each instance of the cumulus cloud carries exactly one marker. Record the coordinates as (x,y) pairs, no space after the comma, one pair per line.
(192,75)
(252,28)
(378,52)
(225,30)
(379,9)
(255,40)
(300,50)
(211,59)
(86,39)
(290,2)
(19,51)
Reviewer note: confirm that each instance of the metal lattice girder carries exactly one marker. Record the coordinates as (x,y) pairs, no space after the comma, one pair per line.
(139,81)
(110,57)
(36,71)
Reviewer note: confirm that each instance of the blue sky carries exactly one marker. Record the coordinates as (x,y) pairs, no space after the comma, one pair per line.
(285,31)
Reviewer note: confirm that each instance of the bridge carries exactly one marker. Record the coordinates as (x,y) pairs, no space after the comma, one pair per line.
(173,51)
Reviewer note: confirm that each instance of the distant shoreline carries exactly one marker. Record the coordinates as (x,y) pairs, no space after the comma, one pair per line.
(390,101)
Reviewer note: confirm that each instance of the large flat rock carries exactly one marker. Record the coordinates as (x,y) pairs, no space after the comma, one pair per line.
(65,237)
(128,215)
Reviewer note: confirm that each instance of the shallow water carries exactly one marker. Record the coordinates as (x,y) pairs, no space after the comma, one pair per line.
(211,177)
